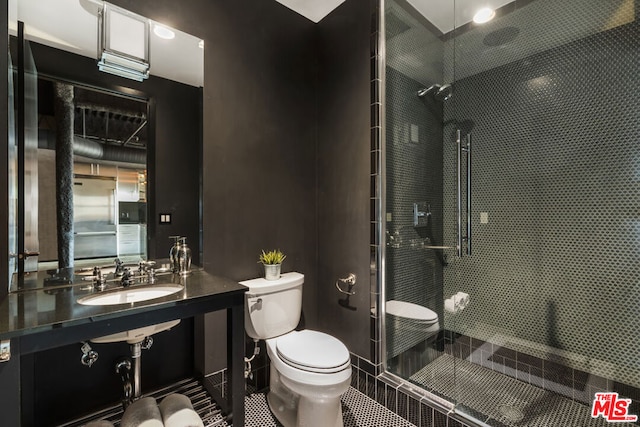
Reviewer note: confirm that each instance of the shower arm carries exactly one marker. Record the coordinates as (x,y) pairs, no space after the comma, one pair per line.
(467,150)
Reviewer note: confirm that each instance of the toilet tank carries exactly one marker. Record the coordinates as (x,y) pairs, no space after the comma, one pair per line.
(272,307)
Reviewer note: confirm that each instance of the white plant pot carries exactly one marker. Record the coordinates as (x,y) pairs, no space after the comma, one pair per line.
(272,271)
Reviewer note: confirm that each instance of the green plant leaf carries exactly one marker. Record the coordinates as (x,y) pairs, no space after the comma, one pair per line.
(271,257)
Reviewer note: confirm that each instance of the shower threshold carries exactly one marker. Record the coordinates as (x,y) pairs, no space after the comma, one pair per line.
(502,400)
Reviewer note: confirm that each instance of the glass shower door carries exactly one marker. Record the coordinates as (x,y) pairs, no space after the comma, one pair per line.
(549,322)
(417,252)
(539,107)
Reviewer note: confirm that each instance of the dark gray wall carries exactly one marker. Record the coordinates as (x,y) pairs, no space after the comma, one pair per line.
(264,125)
(259,167)
(344,171)
(260,133)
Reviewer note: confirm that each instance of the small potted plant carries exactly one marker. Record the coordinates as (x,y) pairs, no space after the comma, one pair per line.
(272,260)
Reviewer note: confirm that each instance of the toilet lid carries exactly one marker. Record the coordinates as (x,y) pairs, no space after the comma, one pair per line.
(313,351)
(411,311)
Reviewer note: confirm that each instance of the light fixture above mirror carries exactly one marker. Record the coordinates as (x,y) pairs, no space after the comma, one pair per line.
(72,25)
(123,47)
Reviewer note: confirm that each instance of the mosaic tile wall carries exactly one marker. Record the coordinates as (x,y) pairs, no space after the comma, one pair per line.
(414,175)
(555,270)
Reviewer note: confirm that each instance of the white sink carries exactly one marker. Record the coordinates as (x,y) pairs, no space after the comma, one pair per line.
(130,295)
(136,335)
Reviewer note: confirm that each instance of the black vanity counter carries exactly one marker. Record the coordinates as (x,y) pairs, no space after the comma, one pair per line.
(49,317)
(43,318)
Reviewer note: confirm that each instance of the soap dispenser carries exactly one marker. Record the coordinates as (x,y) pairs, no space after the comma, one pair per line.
(173,253)
(183,257)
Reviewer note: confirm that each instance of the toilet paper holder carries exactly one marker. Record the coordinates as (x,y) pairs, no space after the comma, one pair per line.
(350,281)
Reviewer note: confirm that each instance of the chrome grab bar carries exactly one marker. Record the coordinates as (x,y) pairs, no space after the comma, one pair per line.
(467,150)
(459,195)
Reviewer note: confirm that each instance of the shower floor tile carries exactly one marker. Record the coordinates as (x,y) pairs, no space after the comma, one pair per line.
(502,398)
(358,410)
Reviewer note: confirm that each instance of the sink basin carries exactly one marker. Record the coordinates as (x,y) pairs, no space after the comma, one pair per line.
(136,335)
(130,295)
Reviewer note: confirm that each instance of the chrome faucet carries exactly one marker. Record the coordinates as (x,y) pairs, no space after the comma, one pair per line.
(144,266)
(127,278)
(99,280)
(119,267)
(147,267)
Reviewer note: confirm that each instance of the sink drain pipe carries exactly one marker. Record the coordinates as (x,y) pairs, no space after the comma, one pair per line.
(136,350)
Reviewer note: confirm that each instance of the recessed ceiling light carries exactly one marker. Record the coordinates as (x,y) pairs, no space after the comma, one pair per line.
(485,14)
(163,32)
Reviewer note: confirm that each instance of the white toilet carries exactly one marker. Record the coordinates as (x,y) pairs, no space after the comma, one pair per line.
(419,318)
(408,325)
(310,370)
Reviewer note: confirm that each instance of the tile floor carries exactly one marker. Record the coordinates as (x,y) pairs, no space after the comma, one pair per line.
(358,410)
(502,398)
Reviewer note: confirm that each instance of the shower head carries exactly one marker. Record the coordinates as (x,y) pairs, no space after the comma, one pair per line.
(445,92)
(424,91)
(440,92)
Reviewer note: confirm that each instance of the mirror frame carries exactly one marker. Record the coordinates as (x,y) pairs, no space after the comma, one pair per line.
(4,154)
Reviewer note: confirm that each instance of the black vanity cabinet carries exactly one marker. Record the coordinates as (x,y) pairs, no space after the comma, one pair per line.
(32,326)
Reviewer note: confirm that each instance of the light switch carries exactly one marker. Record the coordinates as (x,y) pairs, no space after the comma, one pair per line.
(5,350)
(165,218)
(415,137)
(484,217)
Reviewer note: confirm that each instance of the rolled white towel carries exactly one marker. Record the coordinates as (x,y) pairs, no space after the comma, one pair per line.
(450,305)
(101,423)
(142,413)
(177,411)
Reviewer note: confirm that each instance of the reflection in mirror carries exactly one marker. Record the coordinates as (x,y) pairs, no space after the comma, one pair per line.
(106,191)
(93,206)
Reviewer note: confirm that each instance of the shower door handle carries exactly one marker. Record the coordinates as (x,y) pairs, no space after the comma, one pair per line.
(467,150)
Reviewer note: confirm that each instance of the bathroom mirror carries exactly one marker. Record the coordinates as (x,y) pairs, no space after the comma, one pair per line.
(111,113)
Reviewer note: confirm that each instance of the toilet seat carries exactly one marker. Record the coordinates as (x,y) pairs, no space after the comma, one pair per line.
(414,312)
(333,373)
(313,351)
